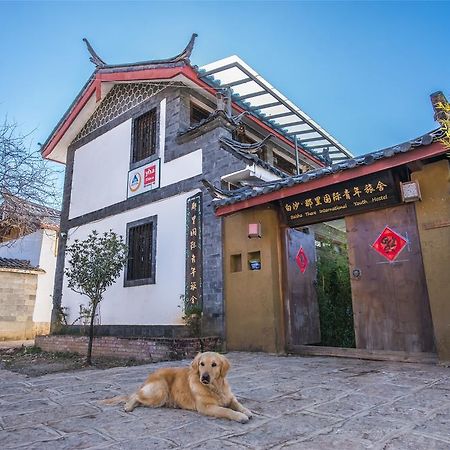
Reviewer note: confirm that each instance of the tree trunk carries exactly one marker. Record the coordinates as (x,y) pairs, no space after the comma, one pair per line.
(91,334)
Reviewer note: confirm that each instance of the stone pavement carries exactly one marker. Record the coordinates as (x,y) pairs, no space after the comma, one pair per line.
(299,403)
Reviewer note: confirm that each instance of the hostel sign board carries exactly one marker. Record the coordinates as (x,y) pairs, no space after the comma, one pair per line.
(378,190)
(144,178)
(194,262)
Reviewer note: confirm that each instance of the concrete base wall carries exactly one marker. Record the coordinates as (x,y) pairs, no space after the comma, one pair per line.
(152,350)
(17,300)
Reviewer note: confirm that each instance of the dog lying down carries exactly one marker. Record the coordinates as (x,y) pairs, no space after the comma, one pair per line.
(200,387)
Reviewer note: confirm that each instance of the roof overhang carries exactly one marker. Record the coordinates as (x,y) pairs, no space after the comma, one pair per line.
(419,153)
(256,95)
(102,81)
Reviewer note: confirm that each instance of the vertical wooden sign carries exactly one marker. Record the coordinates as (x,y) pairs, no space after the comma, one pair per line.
(194,263)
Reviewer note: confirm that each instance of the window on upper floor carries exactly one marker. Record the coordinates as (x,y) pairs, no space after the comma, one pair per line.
(284,165)
(198,114)
(144,136)
(141,241)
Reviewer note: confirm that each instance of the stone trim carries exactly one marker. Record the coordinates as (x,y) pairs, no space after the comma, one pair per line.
(134,202)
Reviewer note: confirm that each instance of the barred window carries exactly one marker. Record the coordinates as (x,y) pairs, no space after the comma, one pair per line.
(144,136)
(141,240)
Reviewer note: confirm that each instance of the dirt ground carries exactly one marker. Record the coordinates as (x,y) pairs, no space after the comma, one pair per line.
(32,361)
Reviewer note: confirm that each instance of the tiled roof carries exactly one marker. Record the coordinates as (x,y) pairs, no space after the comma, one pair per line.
(17,207)
(367,159)
(17,264)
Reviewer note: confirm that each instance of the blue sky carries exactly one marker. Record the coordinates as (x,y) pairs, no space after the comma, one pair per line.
(362,70)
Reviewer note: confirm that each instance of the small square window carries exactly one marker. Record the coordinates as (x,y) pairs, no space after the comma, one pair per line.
(144,136)
(141,240)
(198,114)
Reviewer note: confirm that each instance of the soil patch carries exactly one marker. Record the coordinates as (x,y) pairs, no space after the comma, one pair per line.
(34,362)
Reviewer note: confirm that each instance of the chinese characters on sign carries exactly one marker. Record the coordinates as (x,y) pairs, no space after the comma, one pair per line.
(193,288)
(389,244)
(354,196)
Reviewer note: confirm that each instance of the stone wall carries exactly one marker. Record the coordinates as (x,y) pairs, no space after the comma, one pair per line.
(152,350)
(17,299)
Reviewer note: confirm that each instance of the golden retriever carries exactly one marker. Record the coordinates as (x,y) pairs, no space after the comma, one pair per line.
(200,387)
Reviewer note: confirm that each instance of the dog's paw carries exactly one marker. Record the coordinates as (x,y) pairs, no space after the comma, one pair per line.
(242,418)
(248,413)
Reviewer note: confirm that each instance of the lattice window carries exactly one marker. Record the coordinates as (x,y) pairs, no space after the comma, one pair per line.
(120,99)
(144,136)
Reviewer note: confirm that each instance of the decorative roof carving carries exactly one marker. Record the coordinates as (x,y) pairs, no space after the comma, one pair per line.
(95,59)
(182,57)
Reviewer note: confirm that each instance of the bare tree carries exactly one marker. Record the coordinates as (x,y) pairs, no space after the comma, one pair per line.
(27,183)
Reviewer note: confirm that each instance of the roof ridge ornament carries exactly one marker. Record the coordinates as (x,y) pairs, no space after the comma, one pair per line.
(95,59)
(186,53)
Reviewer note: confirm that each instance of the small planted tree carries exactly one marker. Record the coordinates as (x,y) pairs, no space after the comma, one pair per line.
(93,266)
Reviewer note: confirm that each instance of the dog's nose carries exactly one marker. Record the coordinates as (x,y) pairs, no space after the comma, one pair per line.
(205,378)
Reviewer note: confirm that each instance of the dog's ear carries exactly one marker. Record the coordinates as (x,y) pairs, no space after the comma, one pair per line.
(224,366)
(196,362)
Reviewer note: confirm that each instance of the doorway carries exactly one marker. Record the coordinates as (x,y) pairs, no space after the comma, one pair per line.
(340,291)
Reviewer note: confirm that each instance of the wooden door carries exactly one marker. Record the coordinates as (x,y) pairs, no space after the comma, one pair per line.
(301,305)
(390,299)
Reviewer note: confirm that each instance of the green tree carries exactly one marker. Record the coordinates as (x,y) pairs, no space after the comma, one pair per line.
(93,266)
(335,297)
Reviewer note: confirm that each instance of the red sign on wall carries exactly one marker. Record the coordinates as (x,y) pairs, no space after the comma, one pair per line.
(389,244)
(302,260)
(149,175)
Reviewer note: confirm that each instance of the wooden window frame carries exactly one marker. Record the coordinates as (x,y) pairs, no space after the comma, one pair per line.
(152,278)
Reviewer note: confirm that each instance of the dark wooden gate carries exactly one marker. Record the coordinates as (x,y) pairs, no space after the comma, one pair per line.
(301,305)
(390,299)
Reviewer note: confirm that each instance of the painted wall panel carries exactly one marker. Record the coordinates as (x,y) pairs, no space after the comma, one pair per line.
(100,171)
(155,304)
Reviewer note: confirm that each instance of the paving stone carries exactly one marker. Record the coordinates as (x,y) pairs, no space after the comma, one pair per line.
(348,406)
(79,440)
(367,430)
(277,431)
(140,443)
(26,437)
(312,403)
(437,425)
(416,442)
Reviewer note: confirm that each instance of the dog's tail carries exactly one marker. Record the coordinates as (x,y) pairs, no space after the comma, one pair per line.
(114,400)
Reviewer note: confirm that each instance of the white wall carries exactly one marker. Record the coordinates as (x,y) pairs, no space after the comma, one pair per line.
(100,171)
(47,261)
(27,247)
(155,304)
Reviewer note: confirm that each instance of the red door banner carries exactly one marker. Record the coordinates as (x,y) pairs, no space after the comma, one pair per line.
(389,244)
(302,260)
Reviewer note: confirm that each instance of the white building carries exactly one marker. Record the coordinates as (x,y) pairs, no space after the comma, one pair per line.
(137,142)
